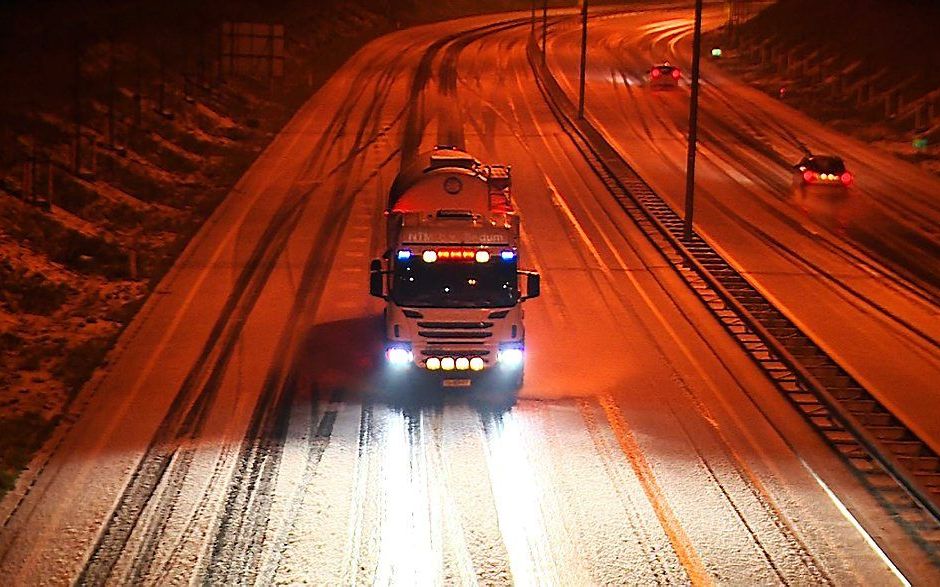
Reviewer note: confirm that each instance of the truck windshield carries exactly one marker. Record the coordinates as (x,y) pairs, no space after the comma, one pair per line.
(455,285)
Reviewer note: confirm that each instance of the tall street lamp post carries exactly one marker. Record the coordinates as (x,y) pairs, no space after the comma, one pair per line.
(693,122)
(584,19)
(544,25)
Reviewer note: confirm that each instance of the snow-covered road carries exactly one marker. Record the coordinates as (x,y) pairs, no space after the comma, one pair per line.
(238,435)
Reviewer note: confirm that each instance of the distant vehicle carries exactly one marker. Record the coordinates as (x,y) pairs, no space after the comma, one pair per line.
(449,274)
(821,170)
(665,76)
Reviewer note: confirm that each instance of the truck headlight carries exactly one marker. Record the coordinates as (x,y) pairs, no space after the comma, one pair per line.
(399,356)
(510,357)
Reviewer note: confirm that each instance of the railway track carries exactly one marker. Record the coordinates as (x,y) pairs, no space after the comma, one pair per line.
(891,460)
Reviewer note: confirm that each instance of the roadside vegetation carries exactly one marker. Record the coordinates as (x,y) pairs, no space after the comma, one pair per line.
(870,69)
(119,135)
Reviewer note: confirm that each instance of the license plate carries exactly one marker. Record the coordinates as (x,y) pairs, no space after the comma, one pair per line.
(456,383)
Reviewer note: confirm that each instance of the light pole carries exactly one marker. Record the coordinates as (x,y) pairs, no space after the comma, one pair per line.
(584,18)
(544,25)
(693,122)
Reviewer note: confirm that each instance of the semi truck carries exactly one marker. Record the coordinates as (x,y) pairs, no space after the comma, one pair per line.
(450,273)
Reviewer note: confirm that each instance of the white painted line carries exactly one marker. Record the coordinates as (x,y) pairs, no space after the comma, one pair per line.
(868,539)
(556,197)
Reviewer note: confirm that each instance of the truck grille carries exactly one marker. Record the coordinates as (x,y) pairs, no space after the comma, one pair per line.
(454,325)
(455,331)
(454,334)
(446,352)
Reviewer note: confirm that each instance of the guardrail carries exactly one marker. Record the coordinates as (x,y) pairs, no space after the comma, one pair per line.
(851,420)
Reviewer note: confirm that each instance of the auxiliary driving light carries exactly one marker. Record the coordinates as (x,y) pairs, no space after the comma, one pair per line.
(433,364)
(482,257)
(404,255)
(510,357)
(462,364)
(399,356)
(476,363)
(508,255)
(447,363)
(429,256)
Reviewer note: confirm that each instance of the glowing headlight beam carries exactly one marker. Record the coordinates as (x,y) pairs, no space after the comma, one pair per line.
(398,356)
(510,357)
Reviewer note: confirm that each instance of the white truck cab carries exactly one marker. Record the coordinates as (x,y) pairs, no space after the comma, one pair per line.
(450,273)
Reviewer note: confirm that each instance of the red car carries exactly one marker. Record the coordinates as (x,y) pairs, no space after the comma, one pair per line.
(821,170)
(665,76)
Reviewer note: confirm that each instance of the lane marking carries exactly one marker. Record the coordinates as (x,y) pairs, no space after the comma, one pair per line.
(710,382)
(855,523)
(681,544)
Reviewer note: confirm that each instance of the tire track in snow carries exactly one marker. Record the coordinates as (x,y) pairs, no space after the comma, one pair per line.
(663,572)
(359,498)
(185,419)
(681,544)
(758,492)
(522,507)
(253,483)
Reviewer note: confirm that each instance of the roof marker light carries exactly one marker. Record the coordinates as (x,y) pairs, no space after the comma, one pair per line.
(429,256)
(404,255)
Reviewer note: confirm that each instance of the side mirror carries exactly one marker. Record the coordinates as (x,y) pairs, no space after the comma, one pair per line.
(376,279)
(532,285)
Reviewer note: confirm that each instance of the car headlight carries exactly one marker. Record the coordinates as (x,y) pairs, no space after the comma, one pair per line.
(399,356)
(510,357)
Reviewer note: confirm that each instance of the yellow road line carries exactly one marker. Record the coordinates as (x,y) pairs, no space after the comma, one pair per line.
(681,544)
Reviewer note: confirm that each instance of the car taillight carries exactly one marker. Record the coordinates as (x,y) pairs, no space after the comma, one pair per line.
(675,73)
(656,73)
(809,176)
(846,178)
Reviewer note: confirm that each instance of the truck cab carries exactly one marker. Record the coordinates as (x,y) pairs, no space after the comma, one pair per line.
(450,274)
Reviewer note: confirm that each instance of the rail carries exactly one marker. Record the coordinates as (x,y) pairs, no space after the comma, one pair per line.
(859,427)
